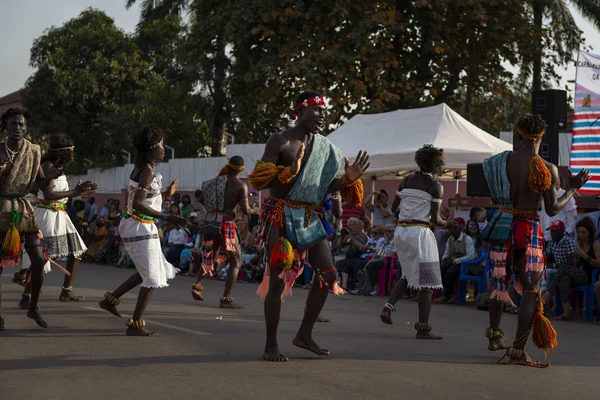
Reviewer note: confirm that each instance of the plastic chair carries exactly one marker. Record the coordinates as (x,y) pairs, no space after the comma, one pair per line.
(464,276)
(589,298)
(383,287)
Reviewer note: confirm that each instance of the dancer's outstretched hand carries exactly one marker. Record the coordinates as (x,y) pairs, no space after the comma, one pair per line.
(356,170)
(577,181)
(172,188)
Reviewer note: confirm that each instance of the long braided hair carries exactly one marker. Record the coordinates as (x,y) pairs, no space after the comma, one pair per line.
(532,127)
(61,152)
(146,143)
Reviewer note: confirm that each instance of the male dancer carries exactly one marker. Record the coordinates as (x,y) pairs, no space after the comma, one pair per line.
(519,237)
(220,241)
(19,170)
(290,224)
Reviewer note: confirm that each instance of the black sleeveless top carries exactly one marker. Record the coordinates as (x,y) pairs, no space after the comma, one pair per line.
(587,267)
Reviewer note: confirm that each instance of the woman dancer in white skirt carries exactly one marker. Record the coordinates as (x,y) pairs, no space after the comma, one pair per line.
(140,234)
(61,239)
(419,198)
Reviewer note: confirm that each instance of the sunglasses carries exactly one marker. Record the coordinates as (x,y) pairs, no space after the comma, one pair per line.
(389,230)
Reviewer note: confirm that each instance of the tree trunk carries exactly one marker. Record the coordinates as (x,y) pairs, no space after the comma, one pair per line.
(538,12)
(217,117)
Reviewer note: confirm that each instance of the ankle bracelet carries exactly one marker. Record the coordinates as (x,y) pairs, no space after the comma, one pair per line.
(132,323)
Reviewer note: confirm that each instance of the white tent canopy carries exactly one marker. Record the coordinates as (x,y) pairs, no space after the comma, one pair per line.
(392,138)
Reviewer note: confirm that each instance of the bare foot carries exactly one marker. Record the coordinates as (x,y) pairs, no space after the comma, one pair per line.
(427,335)
(67,295)
(36,316)
(322,319)
(139,332)
(274,355)
(310,345)
(105,305)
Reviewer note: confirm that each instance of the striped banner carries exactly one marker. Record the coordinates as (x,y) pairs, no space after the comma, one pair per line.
(585,148)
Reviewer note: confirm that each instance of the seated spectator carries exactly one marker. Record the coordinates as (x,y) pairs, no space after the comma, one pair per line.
(459,248)
(178,239)
(478,215)
(246,237)
(356,240)
(376,263)
(341,243)
(375,241)
(380,209)
(187,257)
(113,215)
(106,207)
(569,261)
(101,232)
(559,252)
(186,207)
(473,232)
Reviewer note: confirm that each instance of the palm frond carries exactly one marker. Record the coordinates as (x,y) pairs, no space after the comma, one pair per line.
(589,9)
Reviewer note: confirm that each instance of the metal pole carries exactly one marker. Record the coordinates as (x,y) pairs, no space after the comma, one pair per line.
(172,150)
(229,135)
(127,156)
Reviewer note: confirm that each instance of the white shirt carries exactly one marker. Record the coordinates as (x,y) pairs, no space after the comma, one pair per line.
(568,215)
(470,246)
(178,236)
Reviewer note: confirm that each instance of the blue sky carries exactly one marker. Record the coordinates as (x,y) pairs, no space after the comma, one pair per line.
(23,21)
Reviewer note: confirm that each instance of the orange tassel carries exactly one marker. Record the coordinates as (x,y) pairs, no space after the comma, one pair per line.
(353,192)
(282,255)
(12,242)
(540,178)
(544,335)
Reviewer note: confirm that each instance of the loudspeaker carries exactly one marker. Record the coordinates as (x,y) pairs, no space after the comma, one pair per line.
(551,105)
(476,183)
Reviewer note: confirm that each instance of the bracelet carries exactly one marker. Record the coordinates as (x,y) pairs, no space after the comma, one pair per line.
(335,197)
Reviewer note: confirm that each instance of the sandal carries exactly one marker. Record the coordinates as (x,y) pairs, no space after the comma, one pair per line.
(514,356)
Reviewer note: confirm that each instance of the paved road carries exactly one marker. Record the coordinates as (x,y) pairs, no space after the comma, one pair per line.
(84,354)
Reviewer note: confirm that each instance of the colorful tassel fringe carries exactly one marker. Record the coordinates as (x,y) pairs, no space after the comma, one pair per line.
(544,334)
(282,255)
(540,178)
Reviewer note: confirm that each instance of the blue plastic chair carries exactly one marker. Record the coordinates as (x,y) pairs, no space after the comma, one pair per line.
(589,298)
(464,276)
